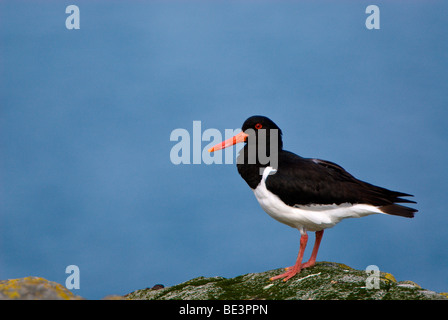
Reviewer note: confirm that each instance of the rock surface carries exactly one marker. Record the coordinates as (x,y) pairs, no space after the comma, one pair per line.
(37,288)
(324,281)
(34,288)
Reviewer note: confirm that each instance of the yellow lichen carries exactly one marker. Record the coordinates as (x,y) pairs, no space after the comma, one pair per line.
(63,292)
(389,277)
(344,266)
(11,288)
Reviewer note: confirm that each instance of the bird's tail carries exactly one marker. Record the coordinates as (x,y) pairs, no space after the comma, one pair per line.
(388,200)
(398,210)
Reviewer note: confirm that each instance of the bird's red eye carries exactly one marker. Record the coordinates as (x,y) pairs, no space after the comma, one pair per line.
(258,126)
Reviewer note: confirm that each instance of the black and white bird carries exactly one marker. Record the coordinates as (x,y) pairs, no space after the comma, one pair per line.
(304,193)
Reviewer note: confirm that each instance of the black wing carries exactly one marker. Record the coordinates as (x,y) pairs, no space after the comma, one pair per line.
(301,181)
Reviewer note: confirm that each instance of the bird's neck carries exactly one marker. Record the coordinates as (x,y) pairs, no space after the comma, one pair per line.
(252,160)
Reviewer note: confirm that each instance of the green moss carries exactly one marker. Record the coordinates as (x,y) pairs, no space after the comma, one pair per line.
(324,281)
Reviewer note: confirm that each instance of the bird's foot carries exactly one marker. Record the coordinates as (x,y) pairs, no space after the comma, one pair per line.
(307,264)
(291,272)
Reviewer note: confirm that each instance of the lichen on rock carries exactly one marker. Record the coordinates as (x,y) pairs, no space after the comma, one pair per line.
(34,288)
(324,281)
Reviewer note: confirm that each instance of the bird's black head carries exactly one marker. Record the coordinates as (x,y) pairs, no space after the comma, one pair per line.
(256,124)
(259,122)
(255,128)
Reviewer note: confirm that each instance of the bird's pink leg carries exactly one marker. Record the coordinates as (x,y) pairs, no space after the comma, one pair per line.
(312,259)
(292,271)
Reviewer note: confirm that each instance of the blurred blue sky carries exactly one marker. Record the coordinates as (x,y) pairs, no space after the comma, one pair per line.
(86,118)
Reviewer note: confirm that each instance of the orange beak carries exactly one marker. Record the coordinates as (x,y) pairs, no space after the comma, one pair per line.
(240,137)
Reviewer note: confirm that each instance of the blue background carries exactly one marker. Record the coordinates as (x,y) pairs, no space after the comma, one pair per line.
(86,118)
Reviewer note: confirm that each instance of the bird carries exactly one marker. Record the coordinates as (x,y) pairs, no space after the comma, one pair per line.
(308,194)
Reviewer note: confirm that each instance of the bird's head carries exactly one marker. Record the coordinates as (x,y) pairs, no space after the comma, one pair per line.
(254,129)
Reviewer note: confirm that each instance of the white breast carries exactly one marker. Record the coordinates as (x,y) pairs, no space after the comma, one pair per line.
(307,217)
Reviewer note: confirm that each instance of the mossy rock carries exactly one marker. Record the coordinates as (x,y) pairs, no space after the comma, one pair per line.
(34,288)
(324,281)
(37,288)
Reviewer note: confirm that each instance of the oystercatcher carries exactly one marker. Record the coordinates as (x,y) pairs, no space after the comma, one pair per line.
(304,193)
